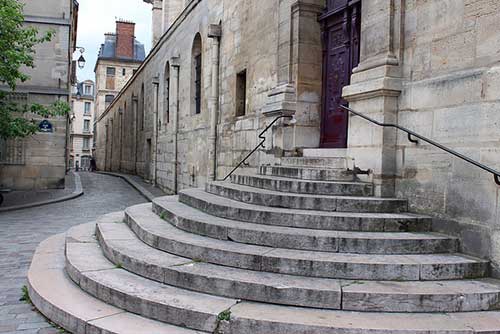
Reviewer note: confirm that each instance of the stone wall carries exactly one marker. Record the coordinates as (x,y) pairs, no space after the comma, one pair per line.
(249,41)
(451,93)
(432,66)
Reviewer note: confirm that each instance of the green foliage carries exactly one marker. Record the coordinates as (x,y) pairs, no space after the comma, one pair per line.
(17,50)
(224,315)
(25,297)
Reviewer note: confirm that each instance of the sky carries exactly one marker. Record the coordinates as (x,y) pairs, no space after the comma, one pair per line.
(97,17)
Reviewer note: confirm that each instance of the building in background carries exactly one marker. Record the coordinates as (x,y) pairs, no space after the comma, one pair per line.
(119,57)
(82,125)
(39,161)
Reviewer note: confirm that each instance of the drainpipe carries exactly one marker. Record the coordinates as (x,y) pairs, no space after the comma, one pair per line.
(156,83)
(174,106)
(214,32)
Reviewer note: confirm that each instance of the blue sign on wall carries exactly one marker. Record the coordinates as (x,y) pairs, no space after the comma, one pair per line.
(45,126)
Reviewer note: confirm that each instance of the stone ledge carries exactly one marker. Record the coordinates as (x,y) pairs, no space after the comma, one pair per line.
(75,194)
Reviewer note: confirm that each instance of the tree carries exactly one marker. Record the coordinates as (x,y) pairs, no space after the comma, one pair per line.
(17,44)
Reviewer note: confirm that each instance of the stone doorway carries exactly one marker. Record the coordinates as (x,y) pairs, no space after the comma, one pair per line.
(341,25)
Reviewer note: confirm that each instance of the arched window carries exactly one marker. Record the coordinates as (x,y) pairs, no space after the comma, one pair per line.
(166,95)
(196,75)
(142,115)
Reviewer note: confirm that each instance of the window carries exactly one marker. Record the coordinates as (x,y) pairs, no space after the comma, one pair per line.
(110,77)
(196,75)
(124,72)
(166,95)
(108,99)
(86,125)
(197,84)
(110,71)
(241,93)
(87,108)
(142,114)
(86,144)
(88,90)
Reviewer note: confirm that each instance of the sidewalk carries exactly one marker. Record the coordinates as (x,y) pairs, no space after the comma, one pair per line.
(147,190)
(17,200)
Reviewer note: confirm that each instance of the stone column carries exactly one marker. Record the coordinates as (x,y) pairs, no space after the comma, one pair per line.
(374,91)
(214,32)
(174,107)
(297,92)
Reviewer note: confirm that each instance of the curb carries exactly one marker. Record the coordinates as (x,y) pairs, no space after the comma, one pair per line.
(75,194)
(144,192)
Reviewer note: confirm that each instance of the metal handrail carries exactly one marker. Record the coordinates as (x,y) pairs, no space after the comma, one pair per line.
(261,144)
(411,134)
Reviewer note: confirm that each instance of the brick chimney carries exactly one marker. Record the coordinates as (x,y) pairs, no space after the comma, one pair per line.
(125,35)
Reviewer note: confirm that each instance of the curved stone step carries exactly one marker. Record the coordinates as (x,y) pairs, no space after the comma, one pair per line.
(338,221)
(308,173)
(304,186)
(194,221)
(157,233)
(89,269)
(433,296)
(278,199)
(121,246)
(64,303)
(255,318)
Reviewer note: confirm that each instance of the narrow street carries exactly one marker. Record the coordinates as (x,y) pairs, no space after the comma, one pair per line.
(21,232)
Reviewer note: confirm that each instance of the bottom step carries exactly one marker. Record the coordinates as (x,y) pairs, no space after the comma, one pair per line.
(64,303)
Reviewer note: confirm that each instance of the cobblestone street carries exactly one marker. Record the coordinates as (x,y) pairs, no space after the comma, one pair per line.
(21,232)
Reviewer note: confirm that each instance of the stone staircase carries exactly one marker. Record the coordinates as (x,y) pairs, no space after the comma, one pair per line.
(299,248)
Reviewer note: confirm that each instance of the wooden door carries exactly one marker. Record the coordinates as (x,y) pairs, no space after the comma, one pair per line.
(341,34)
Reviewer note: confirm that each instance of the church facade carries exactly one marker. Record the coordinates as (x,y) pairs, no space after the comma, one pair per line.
(221,71)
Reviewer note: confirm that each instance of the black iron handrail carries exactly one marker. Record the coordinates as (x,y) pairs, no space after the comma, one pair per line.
(411,134)
(261,144)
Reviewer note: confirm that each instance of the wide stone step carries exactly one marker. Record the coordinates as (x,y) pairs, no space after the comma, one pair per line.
(308,173)
(338,221)
(152,230)
(122,247)
(278,199)
(255,318)
(335,163)
(192,220)
(304,186)
(64,303)
(89,269)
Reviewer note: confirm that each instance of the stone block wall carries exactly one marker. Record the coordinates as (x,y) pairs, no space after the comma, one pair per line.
(451,77)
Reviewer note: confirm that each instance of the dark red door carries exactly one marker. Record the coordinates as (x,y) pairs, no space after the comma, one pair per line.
(341,31)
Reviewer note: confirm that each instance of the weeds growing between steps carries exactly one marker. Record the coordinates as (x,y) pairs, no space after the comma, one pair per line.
(25,297)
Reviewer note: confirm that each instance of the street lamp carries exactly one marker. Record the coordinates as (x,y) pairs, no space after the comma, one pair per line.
(81,62)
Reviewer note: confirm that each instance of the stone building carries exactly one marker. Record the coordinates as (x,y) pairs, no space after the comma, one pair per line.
(39,161)
(119,57)
(82,130)
(222,70)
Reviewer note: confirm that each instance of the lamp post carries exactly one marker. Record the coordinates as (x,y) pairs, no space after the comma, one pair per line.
(81,60)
